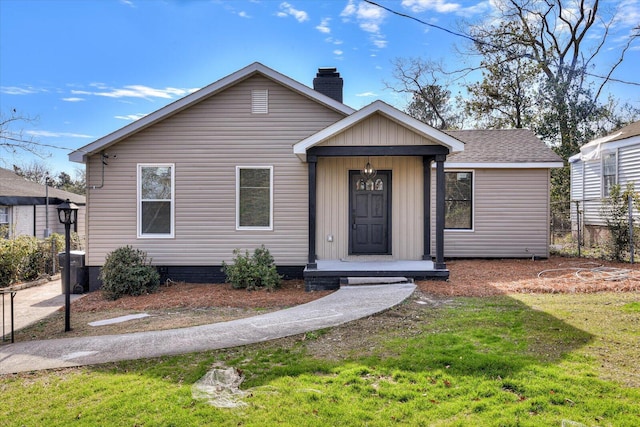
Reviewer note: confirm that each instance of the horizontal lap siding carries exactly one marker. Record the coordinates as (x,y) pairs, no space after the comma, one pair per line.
(629,167)
(206,142)
(511,216)
(592,192)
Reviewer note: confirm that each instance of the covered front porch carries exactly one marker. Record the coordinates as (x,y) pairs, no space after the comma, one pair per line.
(353,217)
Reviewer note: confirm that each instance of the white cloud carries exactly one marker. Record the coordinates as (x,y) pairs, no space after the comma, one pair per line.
(287,10)
(49,134)
(323,27)
(369,19)
(338,52)
(243,14)
(131,117)
(441,6)
(337,42)
(73,99)
(134,91)
(366,94)
(15,90)
(127,3)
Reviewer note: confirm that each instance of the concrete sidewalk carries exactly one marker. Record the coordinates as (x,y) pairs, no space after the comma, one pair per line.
(34,303)
(347,304)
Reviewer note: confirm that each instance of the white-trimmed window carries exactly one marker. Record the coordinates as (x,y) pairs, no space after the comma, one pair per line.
(156,200)
(4,215)
(254,197)
(609,172)
(458,200)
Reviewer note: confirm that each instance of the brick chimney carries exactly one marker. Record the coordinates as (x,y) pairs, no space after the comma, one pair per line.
(328,82)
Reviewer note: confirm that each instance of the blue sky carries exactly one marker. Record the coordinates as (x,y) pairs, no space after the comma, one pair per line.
(86,68)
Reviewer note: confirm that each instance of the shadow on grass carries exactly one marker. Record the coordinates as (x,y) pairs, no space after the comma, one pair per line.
(492,337)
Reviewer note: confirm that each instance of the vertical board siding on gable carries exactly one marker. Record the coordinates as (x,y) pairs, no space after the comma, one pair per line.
(511,216)
(377,130)
(333,205)
(206,142)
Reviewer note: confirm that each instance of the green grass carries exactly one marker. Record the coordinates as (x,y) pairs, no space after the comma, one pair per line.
(504,361)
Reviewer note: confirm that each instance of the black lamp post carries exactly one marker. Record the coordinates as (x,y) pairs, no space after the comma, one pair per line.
(67,214)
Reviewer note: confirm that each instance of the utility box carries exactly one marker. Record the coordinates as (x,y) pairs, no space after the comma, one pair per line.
(78,272)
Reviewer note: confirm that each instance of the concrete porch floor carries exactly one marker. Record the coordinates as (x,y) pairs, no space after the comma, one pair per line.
(328,273)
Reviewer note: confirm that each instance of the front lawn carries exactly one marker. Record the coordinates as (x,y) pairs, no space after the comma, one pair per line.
(525,359)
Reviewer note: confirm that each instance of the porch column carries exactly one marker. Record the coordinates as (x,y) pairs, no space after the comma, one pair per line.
(312,162)
(440,211)
(426,214)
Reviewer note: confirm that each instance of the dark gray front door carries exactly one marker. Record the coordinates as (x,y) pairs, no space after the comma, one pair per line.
(369,214)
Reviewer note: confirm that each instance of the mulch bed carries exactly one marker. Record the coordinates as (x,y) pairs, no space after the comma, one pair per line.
(468,278)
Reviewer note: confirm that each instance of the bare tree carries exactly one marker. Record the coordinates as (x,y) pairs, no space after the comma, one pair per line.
(558,37)
(35,171)
(12,137)
(424,82)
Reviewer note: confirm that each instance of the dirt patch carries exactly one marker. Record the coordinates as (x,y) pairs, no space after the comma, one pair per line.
(183,305)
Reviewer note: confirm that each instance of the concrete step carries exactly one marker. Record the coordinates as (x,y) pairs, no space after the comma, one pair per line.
(355,281)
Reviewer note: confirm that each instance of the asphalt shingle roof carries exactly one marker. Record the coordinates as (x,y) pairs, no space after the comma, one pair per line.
(501,146)
(14,187)
(628,131)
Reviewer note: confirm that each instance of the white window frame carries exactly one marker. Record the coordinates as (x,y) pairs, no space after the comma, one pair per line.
(4,213)
(606,154)
(238,226)
(171,234)
(473,202)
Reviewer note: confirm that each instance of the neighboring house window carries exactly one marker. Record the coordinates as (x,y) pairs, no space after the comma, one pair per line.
(254,197)
(458,200)
(4,222)
(260,101)
(609,172)
(155,200)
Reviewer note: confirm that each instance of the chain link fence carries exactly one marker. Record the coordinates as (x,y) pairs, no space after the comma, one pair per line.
(579,228)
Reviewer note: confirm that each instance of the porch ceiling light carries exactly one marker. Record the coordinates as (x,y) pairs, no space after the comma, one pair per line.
(368,172)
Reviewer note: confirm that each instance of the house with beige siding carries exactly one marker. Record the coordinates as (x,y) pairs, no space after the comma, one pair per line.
(257,158)
(600,164)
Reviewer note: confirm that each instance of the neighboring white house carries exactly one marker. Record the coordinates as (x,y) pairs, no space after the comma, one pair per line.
(602,163)
(23,207)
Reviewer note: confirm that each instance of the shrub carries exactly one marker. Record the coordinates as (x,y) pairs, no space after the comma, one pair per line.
(126,271)
(18,259)
(615,210)
(252,272)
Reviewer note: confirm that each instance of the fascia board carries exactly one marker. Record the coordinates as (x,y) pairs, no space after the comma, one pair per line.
(506,165)
(300,148)
(81,154)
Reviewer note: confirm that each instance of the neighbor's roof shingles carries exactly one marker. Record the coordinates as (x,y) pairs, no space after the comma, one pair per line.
(14,187)
(501,146)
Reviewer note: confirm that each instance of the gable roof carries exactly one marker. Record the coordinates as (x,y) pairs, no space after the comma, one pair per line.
(621,138)
(377,107)
(503,148)
(16,190)
(81,154)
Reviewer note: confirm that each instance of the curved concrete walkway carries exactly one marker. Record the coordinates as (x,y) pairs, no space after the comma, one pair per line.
(347,304)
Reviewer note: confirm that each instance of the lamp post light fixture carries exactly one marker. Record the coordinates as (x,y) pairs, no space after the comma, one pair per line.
(67,214)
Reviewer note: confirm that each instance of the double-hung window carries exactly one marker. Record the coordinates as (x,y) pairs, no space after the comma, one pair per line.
(254,198)
(458,201)
(156,200)
(4,222)
(609,172)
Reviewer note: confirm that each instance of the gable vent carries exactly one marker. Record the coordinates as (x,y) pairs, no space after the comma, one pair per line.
(260,101)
